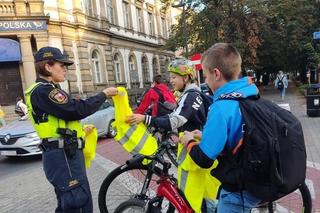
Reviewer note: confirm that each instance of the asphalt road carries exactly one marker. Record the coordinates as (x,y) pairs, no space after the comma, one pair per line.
(11,166)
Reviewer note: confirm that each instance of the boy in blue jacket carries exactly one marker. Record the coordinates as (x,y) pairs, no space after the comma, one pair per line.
(223,131)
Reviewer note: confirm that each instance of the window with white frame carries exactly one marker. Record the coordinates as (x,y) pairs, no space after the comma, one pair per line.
(91,5)
(126,15)
(133,69)
(132,65)
(164,27)
(96,66)
(117,67)
(140,19)
(155,66)
(145,69)
(110,11)
(151,23)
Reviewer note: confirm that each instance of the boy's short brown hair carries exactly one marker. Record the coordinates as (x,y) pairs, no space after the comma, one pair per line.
(224,57)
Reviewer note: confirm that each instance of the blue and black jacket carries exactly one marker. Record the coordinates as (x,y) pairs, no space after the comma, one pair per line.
(223,129)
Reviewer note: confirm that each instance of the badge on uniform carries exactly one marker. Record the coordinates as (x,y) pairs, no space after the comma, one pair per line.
(58,96)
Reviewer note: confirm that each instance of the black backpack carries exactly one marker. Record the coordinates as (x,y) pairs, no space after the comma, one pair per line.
(271,162)
(164,107)
(280,84)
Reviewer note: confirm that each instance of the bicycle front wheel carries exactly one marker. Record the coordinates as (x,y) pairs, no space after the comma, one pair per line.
(124,183)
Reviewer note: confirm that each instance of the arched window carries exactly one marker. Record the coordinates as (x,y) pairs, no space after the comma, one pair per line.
(96,66)
(132,65)
(145,70)
(155,66)
(133,71)
(117,67)
(165,73)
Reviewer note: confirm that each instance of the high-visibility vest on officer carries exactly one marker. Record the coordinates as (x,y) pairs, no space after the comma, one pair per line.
(55,117)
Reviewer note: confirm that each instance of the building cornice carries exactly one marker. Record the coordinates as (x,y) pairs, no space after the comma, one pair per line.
(124,38)
(108,33)
(15,18)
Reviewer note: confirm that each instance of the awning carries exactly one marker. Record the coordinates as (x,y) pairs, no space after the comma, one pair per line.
(9,50)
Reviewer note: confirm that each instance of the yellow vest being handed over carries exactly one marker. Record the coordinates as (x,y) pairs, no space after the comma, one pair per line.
(90,138)
(49,129)
(135,139)
(195,182)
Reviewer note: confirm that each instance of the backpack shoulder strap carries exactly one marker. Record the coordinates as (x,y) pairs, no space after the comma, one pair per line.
(161,98)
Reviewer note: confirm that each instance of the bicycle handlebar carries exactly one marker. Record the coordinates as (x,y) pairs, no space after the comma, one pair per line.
(157,158)
(136,159)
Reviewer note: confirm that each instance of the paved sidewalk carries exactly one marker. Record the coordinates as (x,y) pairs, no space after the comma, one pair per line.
(30,192)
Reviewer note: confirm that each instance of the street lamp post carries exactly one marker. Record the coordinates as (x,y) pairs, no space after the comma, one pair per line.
(185,35)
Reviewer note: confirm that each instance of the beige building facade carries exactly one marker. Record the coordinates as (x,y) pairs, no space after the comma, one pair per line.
(112,42)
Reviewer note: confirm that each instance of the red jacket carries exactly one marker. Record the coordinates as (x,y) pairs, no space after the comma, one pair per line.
(152,97)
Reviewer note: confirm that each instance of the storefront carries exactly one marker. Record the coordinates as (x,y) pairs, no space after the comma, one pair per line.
(19,39)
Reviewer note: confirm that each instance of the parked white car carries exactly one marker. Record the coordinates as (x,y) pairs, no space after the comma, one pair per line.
(19,138)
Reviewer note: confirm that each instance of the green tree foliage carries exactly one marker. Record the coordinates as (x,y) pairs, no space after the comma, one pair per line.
(270,34)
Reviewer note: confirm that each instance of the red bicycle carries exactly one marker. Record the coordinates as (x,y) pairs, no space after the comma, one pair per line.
(169,199)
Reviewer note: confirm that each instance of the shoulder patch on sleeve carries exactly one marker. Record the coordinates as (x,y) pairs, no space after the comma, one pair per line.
(58,96)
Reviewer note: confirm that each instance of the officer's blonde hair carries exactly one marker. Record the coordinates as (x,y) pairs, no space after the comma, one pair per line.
(225,57)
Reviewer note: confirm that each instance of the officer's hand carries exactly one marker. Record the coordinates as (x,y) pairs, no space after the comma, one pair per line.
(186,138)
(135,119)
(110,91)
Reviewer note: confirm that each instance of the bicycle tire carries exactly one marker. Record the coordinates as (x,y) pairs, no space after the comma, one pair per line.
(135,204)
(298,202)
(129,177)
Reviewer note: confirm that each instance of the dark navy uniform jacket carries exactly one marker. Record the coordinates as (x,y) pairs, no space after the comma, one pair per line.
(48,98)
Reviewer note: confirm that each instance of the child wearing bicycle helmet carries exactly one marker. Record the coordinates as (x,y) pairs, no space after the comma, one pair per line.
(190,113)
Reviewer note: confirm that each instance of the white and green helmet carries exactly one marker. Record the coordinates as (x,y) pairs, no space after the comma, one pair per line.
(182,67)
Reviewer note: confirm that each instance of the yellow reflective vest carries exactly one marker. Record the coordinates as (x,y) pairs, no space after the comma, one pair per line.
(90,138)
(195,182)
(49,129)
(135,139)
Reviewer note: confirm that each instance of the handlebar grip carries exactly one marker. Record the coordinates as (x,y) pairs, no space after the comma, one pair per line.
(136,159)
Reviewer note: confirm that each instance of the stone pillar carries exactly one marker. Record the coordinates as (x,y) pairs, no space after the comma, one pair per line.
(41,40)
(27,60)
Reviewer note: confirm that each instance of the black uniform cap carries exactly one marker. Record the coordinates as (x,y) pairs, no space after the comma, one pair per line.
(46,53)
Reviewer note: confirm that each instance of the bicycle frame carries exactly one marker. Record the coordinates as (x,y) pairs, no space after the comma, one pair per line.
(167,189)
